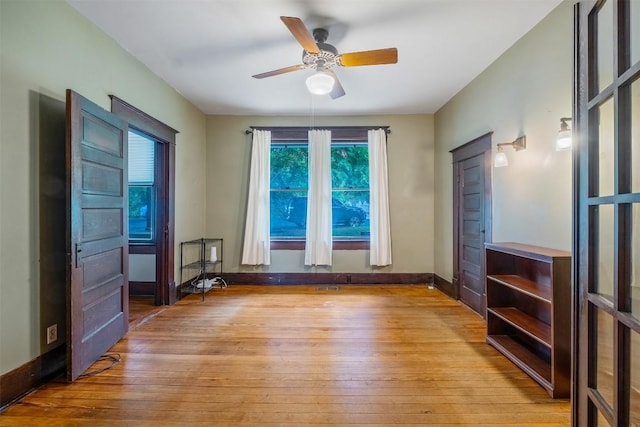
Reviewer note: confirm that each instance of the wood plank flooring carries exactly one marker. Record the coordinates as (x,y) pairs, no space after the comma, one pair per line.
(301,356)
(142,309)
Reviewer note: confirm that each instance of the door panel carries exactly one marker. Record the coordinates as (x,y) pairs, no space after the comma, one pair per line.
(97,232)
(101,223)
(606,177)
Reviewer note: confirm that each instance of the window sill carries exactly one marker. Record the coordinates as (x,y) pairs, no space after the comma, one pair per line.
(339,245)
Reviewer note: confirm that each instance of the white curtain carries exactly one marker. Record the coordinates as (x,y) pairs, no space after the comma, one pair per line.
(256,249)
(318,246)
(379,223)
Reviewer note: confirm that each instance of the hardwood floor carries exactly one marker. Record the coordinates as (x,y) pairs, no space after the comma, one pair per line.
(142,309)
(300,356)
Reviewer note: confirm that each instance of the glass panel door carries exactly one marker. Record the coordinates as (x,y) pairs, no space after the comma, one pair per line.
(607,215)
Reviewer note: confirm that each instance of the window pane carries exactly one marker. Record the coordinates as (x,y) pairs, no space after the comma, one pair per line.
(141,159)
(635,259)
(141,172)
(634,21)
(350,166)
(634,398)
(635,135)
(604,284)
(141,212)
(604,47)
(604,355)
(350,214)
(289,165)
(288,214)
(606,149)
(601,421)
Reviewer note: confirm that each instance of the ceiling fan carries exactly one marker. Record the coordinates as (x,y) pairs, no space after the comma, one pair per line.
(322,57)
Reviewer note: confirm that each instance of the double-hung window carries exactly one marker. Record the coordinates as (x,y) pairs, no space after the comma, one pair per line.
(350,190)
(142,188)
(289,187)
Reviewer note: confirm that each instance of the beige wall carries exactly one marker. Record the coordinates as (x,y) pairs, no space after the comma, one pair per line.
(524,92)
(410,155)
(47,47)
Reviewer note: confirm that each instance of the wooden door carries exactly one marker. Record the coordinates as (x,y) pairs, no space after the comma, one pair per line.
(97,306)
(607,220)
(472,201)
(472,287)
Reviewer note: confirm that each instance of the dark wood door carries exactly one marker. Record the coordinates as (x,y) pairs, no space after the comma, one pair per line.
(96,160)
(607,214)
(472,282)
(472,220)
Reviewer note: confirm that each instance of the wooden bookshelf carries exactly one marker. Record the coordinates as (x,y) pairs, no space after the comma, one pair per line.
(529,311)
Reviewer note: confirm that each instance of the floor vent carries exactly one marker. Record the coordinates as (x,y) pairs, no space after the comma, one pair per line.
(328,288)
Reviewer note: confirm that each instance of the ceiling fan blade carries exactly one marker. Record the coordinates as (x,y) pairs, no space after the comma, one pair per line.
(369,57)
(280,71)
(300,32)
(337,90)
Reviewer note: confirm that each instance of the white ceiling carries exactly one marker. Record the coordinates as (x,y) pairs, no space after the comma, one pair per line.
(209,49)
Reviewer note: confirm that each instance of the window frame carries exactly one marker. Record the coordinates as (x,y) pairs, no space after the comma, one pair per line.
(339,135)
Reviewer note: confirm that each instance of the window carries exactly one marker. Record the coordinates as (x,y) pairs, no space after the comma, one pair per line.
(350,182)
(350,190)
(142,188)
(289,178)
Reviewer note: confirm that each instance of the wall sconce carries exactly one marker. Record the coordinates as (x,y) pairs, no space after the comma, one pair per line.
(563,140)
(500,160)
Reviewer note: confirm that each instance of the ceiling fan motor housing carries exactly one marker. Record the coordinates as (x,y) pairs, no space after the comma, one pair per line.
(320,35)
(328,56)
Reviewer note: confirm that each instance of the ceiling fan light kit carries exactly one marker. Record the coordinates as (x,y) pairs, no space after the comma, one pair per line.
(322,57)
(321,83)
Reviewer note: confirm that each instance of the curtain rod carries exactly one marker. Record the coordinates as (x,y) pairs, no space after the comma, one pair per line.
(249,131)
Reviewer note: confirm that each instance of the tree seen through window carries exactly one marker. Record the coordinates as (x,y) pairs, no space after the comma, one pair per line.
(350,189)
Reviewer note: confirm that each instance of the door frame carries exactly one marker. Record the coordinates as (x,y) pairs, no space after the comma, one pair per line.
(165,135)
(478,146)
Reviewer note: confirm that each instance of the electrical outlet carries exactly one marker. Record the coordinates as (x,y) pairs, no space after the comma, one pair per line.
(52,333)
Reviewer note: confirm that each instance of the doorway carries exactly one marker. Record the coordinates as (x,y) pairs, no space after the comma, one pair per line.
(151,188)
(471,220)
